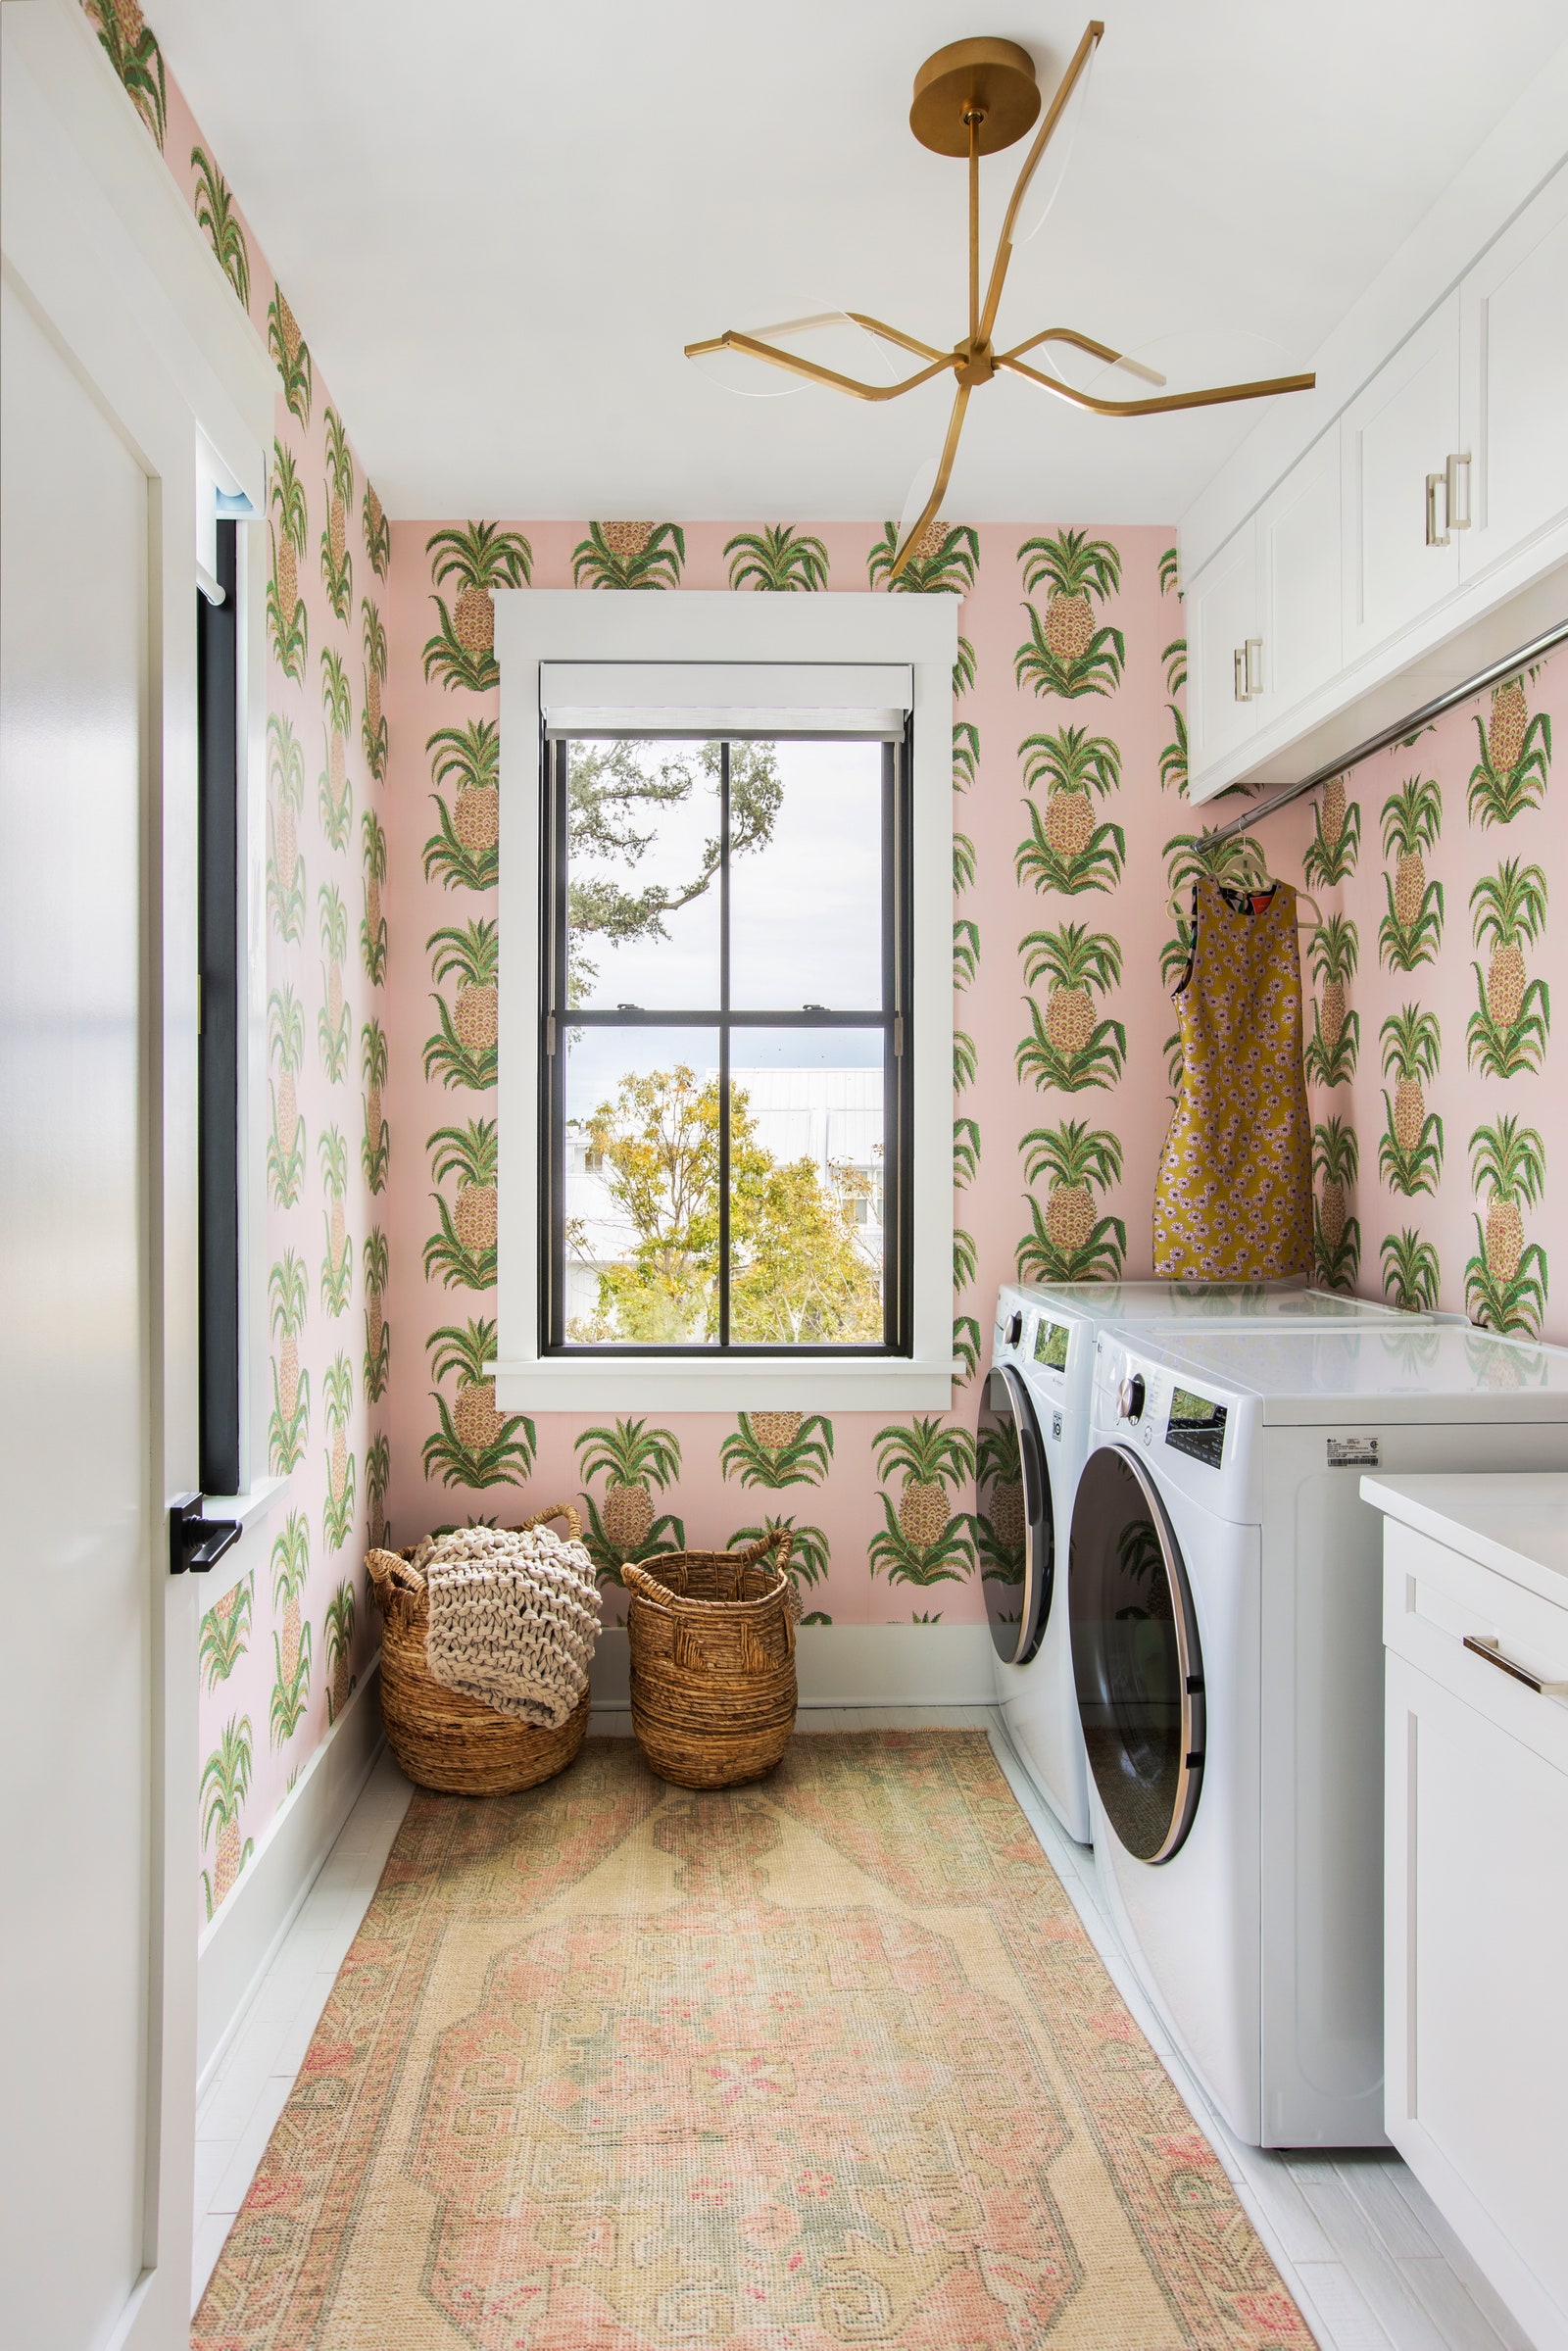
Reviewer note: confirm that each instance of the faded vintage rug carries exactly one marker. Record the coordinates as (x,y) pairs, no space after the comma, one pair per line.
(824,2062)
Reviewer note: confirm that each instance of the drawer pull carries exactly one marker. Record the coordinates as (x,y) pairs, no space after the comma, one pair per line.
(1482,1644)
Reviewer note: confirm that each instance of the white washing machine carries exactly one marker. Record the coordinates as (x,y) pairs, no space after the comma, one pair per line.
(1033,1440)
(1225,1587)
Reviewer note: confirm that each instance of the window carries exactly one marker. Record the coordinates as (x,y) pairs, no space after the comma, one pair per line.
(724,998)
(727,1002)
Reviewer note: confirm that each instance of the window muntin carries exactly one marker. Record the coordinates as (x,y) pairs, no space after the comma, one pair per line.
(724,1090)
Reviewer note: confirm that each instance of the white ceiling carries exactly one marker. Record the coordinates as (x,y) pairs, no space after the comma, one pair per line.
(498,221)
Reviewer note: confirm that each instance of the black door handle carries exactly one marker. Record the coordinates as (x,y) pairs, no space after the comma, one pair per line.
(197,1543)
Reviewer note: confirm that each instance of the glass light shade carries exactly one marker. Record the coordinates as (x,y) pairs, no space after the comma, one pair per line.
(1046,185)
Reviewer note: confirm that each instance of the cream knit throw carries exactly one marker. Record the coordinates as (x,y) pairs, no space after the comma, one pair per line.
(513,1619)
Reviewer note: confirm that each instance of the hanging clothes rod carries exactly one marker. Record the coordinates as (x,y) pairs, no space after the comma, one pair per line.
(1492,675)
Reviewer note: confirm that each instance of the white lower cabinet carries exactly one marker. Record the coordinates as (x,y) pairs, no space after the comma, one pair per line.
(1477,1915)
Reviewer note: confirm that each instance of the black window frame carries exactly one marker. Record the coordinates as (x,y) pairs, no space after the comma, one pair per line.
(892,1016)
(219,965)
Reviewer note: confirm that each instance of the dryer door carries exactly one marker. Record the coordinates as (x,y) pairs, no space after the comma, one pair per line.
(1014,1524)
(1135,1656)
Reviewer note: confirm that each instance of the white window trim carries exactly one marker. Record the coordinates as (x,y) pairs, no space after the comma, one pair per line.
(535,626)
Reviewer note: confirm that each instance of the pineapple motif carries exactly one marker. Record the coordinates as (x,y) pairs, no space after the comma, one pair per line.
(335,793)
(291,357)
(462,852)
(291,1642)
(127,40)
(1330,1058)
(463,1053)
(1507,1030)
(1506,729)
(337,565)
(1410,932)
(622,1523)
(778,1448)
(1337,836)
(629,554)
(372,726)
(1068,1242)
(943,561)
(337,1510)
(478,559)
(378,1477)
(778,558)
(225,1630)
(464,1251)
(1505,1281)
(921,1541)
(337,1266)
(1067,1047)
(224,1785)
(285,799)
(372,926)
(334,1030)
(1335,1161)
(338,1643)
(285,1050)
(377,533)
(1068,851)
(476,1443)
(1410,1271)
(1067,654)
(1410,1152)
(1001,1523)
(376,1151)
(214,205)
(377,1338)
(291,1387)
(286,618)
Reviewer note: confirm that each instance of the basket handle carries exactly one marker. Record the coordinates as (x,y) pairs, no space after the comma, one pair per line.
(647,1587)
(392,1578)
(556,1510)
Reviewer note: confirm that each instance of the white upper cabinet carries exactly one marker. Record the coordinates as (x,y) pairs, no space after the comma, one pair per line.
(1300,589)
(1515,342)
(1223,641)
(1396,438)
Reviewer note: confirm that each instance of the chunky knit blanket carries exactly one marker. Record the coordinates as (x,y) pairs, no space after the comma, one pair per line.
(513,1619)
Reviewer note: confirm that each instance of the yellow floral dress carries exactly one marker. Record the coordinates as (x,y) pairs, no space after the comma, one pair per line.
(1232,1200)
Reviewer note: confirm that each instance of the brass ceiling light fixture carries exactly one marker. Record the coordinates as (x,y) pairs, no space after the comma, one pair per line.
(973,99)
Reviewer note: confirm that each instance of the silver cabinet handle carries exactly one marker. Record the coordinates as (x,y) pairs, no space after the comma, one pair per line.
(1434,483)
(1254,650)
(1483,1644)
(1457,491)
(1239,673)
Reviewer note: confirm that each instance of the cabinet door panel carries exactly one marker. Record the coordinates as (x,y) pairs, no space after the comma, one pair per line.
(1300,589)
(1221,615)
(1514,337)
(1402,427)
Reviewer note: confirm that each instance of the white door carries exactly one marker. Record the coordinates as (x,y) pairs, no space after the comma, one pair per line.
(1221,619)
(92,2162)
(1396,440)
(1301,591)
(1514,340)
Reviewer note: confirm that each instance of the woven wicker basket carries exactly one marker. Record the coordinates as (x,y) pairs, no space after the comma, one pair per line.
(442,1738)
(713,1661)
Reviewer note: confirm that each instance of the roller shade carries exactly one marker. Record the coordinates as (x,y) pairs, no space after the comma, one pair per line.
(725,698)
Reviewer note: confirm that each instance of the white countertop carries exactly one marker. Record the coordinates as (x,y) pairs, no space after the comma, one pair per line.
(1515,1523)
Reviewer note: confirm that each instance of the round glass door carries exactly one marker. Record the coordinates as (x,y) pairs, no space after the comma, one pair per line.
(1014,1525)
(1135,1656)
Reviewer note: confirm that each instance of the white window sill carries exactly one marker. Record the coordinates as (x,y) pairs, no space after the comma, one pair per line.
(247,1511)
(638,1385)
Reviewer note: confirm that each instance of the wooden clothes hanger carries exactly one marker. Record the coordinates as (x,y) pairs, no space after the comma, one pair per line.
(1180,910)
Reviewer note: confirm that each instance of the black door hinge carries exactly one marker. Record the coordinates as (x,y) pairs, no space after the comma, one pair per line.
(197,1543)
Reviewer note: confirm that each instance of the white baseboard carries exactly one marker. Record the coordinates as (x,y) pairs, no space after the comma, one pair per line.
(239,1944)
(856,1665)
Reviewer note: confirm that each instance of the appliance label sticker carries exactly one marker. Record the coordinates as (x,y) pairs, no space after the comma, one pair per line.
(1352,1452)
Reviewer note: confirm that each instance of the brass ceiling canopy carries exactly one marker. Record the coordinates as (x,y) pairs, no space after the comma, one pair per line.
(992,79)
(973,99)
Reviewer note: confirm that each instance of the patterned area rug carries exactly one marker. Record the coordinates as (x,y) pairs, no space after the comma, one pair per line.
(824,2062)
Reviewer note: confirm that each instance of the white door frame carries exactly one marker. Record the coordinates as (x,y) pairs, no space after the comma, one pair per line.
(98,241)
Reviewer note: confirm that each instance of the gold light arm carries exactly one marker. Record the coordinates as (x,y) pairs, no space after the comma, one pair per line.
(1080,342)
(1164,403)
(950,450)
(733,340)
(895,335)
(1031,164)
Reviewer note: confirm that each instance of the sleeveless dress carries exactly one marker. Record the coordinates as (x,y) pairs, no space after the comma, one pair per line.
(1232,1200)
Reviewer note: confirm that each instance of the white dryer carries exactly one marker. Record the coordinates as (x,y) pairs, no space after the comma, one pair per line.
(1033,1439)
(1226,1629)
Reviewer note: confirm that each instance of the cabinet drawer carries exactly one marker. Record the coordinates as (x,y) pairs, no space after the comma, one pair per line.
(1435,1600)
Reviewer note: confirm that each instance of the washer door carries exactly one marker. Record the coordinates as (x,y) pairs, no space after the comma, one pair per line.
(1014,1524)
(1135,1656)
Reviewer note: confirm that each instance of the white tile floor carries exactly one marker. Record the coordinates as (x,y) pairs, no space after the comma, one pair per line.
(1356,2240)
